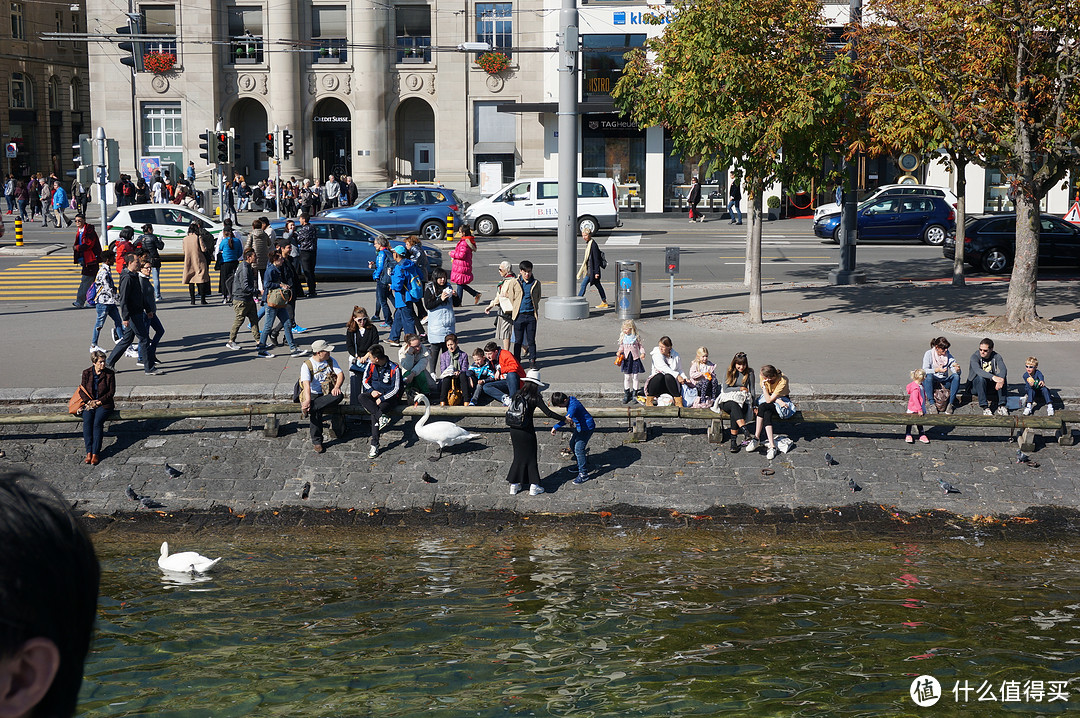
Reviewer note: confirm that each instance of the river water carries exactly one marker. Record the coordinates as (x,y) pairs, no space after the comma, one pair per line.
(583,623)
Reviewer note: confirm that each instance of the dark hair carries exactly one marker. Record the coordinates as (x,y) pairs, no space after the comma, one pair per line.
(988,342)
(530,391)
(256,223)
(108,256)
(147,228)
(729,377)
(305,216)
(129,257)
(940,343)
(451,335)
(127,233)
(49,576)
(276,255)
(227,223)
(665,340)
(194,228)
(438,273)
(525,265)
(377,352)
(770,372)
(559,399)
(248,253)
(466,230)
(478,351)
(491,347)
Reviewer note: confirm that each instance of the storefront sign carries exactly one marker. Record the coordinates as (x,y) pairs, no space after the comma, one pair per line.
(604,124)
(622,17)
(329,118)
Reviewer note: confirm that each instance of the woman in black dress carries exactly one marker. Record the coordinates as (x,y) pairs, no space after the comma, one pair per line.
(519,417)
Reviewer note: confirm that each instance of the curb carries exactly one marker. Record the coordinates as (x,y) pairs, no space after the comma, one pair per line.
(30,250)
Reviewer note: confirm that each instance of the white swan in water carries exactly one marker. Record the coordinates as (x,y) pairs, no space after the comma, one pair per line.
(185,561)
(443,433)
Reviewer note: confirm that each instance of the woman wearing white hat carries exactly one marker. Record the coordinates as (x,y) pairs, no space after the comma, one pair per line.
(519,417)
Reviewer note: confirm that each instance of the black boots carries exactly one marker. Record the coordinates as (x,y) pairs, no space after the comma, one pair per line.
(734,443)
(628,396)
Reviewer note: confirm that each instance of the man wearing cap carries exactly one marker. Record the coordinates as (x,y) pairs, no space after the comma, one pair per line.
(320,386)
(400,278)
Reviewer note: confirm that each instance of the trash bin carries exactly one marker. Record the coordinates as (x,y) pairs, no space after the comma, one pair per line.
(628,291)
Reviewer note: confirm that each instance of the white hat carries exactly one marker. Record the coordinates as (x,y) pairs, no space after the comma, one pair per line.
(321,346)
(533,376)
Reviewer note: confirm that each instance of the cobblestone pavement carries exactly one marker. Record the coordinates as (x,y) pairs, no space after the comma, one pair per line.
(229,464)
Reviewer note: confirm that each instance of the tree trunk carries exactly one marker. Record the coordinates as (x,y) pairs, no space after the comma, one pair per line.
(751,222)
(756,187)
(961,220)
(1020,306)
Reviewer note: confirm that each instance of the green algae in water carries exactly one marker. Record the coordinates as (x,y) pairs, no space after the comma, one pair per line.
(582,623)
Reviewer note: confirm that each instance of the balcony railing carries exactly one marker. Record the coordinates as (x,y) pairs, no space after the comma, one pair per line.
(413,49)
(246,50)
(331,51)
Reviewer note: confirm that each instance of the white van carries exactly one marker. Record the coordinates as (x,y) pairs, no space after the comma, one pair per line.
(534,204)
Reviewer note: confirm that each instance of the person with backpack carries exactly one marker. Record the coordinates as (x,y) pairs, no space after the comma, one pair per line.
(591,265)
(519,419)
(152,245)
(127,188)
(87,254)
(105,298)
(407,288)
(123,245)
(228,251)
(382,266)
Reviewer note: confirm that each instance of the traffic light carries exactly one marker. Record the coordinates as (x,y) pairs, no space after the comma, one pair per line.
(286,144)
(112,160)
(204,145)
(270,144)
(221,146)
(234,149)
(84,161)
(133,51)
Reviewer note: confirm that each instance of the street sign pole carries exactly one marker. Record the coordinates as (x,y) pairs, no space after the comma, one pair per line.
(671,262)
(277,163)
(102,174)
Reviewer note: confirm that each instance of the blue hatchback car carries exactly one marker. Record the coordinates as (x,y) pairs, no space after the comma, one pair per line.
(346,247)
(921,218)
(405,209)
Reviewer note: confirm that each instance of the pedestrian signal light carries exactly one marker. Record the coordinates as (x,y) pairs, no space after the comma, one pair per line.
(270,144)
(286,144)
(204,145)
(221,144)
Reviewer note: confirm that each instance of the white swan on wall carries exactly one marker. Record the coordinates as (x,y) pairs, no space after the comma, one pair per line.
(442,433)
(185,561)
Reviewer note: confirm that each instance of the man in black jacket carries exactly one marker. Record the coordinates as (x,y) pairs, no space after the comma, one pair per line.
(132,306)
(307,241)
(693,199)
(244,287)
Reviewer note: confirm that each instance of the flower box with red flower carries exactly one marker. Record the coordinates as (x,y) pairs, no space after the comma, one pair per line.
(159,62)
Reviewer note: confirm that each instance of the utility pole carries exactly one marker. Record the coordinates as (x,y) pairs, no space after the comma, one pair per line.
(218,174)
(102,186)
(566,305)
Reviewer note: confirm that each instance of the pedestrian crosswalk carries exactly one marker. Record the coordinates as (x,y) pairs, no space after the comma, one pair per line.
(56,277)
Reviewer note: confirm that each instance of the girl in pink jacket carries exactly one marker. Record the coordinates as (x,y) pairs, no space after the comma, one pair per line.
(461,272)
(915,404)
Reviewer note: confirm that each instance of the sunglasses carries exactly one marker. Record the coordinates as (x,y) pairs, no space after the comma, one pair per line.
(1031,366)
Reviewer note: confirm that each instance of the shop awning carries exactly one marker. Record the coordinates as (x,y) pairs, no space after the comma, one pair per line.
(553,107)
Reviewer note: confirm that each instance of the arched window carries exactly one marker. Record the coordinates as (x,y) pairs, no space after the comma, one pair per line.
(54,93)
(21,92)
(75,95)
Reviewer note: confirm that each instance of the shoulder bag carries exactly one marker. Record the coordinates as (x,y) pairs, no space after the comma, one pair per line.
(279,297)
(76,403)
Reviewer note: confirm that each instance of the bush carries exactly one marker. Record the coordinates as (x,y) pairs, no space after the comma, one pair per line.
(773,202)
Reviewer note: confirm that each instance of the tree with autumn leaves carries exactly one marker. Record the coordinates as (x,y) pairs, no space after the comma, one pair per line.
(997,82)
(750,82)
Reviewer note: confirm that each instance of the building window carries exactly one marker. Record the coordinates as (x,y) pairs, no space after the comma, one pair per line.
(159,20)
(54,93)
(494,140)
(245,35)
(18,25)
(75,95)
(495,25)
(602,62)
(162,127)
(329,29)
(413,23)
(22,92)
(76,28)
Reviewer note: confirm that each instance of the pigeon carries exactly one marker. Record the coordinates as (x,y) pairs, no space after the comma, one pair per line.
(947,487)
(150,503)
(173,472)
(428,478)
(132,495)
(305,491)
(829,460)
(1021,457)
(853,486)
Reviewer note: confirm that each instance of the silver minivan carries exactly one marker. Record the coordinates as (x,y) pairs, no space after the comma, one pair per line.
(530,204)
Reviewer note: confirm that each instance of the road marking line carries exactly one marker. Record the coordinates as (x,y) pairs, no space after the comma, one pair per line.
(623,240)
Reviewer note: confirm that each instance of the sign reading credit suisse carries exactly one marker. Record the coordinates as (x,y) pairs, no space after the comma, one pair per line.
(329,118)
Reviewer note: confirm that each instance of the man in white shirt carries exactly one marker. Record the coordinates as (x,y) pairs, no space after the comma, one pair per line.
(333,192)
(320,387)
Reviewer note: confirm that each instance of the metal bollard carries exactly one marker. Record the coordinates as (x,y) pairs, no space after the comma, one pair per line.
(449,237)
(18,233)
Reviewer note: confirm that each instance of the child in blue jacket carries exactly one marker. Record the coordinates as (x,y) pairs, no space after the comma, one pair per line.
(1035,381)
(582,425)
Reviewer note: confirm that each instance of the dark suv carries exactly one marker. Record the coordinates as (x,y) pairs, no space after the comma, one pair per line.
(419,209)
(990,242)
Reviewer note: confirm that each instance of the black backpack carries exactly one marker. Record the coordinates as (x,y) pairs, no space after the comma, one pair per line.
(515,413)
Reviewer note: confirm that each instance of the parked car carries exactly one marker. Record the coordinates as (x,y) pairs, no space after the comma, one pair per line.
(891,190)
(990,242)
(419,209)
(170,225)
(345,247)
(534,204)
(928,219)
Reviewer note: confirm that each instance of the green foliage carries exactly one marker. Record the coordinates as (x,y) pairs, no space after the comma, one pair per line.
(748,81)
(773,202)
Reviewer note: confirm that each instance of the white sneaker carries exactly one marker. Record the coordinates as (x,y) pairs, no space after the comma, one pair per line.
(132,352)
(373,452)
(96,348)
(506,401)
(1049,410)
(424,321)
(988,412)
(752,445)
(233,345)
(384,421)
(1027,409)
(1003,410)
(771,453)
(515,489)
(536,490)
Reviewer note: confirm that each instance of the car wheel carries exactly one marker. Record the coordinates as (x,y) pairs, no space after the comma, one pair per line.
(587,223)
(432,231)
(486,227)
(995,261)
(836,235)
(934,235)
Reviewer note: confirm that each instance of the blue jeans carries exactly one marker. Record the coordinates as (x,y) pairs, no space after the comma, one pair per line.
(497,390)
(382,307)
(596,283)
(951,380)
(404,321)
(105,311)
(136,328)
(579,440)
(155,277)
(982,387)
(734,212)
(272,313)
(93,428)
(525,334)
(1029,396)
